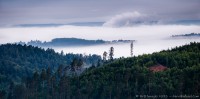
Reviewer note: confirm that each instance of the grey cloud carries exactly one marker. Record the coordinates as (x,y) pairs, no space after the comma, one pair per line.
(130,19)
(65,11)
(136,18)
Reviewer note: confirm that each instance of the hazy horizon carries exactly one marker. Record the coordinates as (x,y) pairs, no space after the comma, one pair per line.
(113,12)
(149,38)
(150,22)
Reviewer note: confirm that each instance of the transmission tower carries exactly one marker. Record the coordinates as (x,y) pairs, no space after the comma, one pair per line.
(132,49)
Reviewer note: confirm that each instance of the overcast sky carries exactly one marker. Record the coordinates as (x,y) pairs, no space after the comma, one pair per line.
(67,11)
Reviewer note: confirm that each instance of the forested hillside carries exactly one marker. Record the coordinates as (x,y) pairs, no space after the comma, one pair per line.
(124,78)
(17,62)
(71,42)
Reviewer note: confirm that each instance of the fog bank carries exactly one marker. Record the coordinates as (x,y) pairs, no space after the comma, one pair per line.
(149,38)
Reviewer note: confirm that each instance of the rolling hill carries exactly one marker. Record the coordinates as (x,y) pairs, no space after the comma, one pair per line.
(127,78)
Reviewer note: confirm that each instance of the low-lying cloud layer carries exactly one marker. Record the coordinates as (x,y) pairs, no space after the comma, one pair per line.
(142,32)
(150,38)
(130,19)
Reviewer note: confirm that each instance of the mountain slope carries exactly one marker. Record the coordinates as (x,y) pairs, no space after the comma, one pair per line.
(131,77)
(17,62)
(124,78)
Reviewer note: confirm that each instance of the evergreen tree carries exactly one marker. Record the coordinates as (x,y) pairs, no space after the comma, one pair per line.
(111,54)
(104,55)
(74,64)
(79,64)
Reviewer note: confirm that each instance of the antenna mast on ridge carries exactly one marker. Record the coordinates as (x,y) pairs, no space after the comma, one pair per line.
(132,49)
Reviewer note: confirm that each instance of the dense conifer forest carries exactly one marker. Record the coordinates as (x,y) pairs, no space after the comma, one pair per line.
(31,75)
(17,62)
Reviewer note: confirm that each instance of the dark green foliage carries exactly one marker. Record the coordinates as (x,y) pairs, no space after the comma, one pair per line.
(126,78)
(2,94)
(17,62)
(111,53)
(123,78)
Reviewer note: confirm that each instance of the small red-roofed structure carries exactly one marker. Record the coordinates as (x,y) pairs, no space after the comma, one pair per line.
(157,68)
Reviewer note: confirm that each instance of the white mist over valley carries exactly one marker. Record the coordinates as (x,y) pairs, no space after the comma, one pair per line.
(148,38)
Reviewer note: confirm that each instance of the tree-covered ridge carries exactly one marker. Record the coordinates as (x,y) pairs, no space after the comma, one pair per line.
(66,42)
(69,42)
(186,35)
(124,78)
(20,61)
(31,56)
(129,77)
